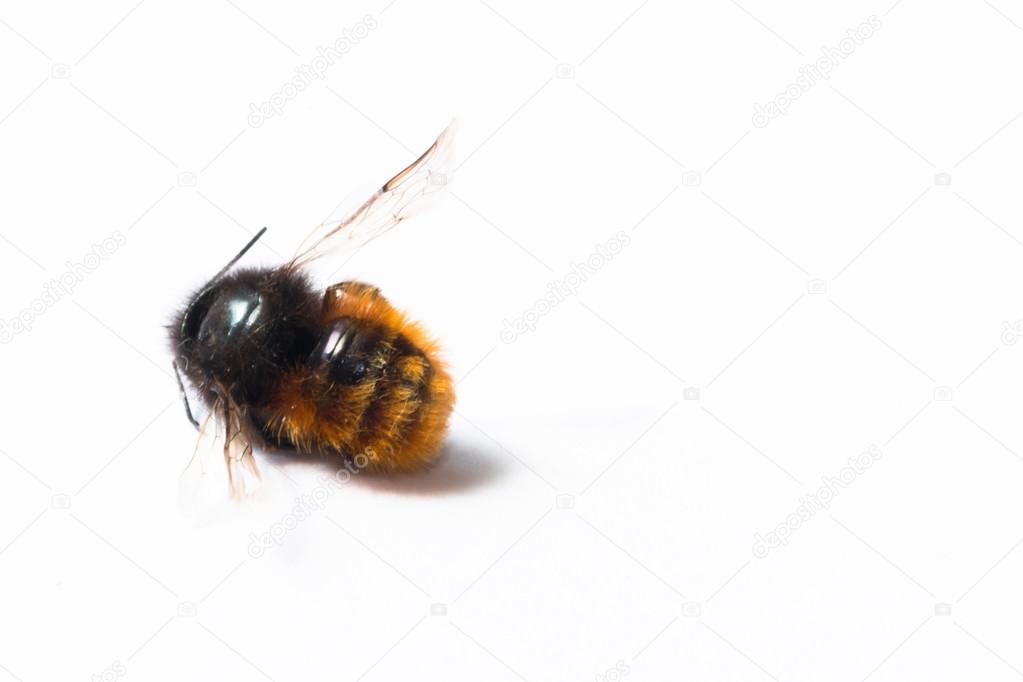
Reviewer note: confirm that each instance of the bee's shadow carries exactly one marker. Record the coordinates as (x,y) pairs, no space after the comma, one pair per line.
(460,467)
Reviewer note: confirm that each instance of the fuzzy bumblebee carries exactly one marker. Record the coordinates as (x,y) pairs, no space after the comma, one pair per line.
(341,372)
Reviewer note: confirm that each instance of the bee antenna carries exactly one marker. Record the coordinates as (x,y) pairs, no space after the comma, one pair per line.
(240,254)
(210,285)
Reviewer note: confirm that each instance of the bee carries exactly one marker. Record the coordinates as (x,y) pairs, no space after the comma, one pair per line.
(282,366)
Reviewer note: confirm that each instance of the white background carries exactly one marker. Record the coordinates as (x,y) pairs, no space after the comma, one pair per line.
(845,277)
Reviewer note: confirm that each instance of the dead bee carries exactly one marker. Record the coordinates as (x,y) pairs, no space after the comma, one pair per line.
(341,373)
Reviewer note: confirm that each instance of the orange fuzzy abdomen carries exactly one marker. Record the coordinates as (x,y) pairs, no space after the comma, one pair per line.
(375,386)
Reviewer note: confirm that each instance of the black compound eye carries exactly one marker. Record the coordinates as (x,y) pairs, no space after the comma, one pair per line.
(234,311)
(195,313)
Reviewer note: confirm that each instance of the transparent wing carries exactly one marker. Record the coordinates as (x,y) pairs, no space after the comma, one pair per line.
(242,473)
(387,207)
(222,466)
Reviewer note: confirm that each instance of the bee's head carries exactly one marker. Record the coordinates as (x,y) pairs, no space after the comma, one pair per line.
(242,328)
(224,331)
(223,315)
(219,332)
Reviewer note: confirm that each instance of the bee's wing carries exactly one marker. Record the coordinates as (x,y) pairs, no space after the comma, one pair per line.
(387,207)
(242,473)
(207,482)
(202,486)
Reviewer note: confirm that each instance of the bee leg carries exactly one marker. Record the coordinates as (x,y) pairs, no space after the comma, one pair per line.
(184,396)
